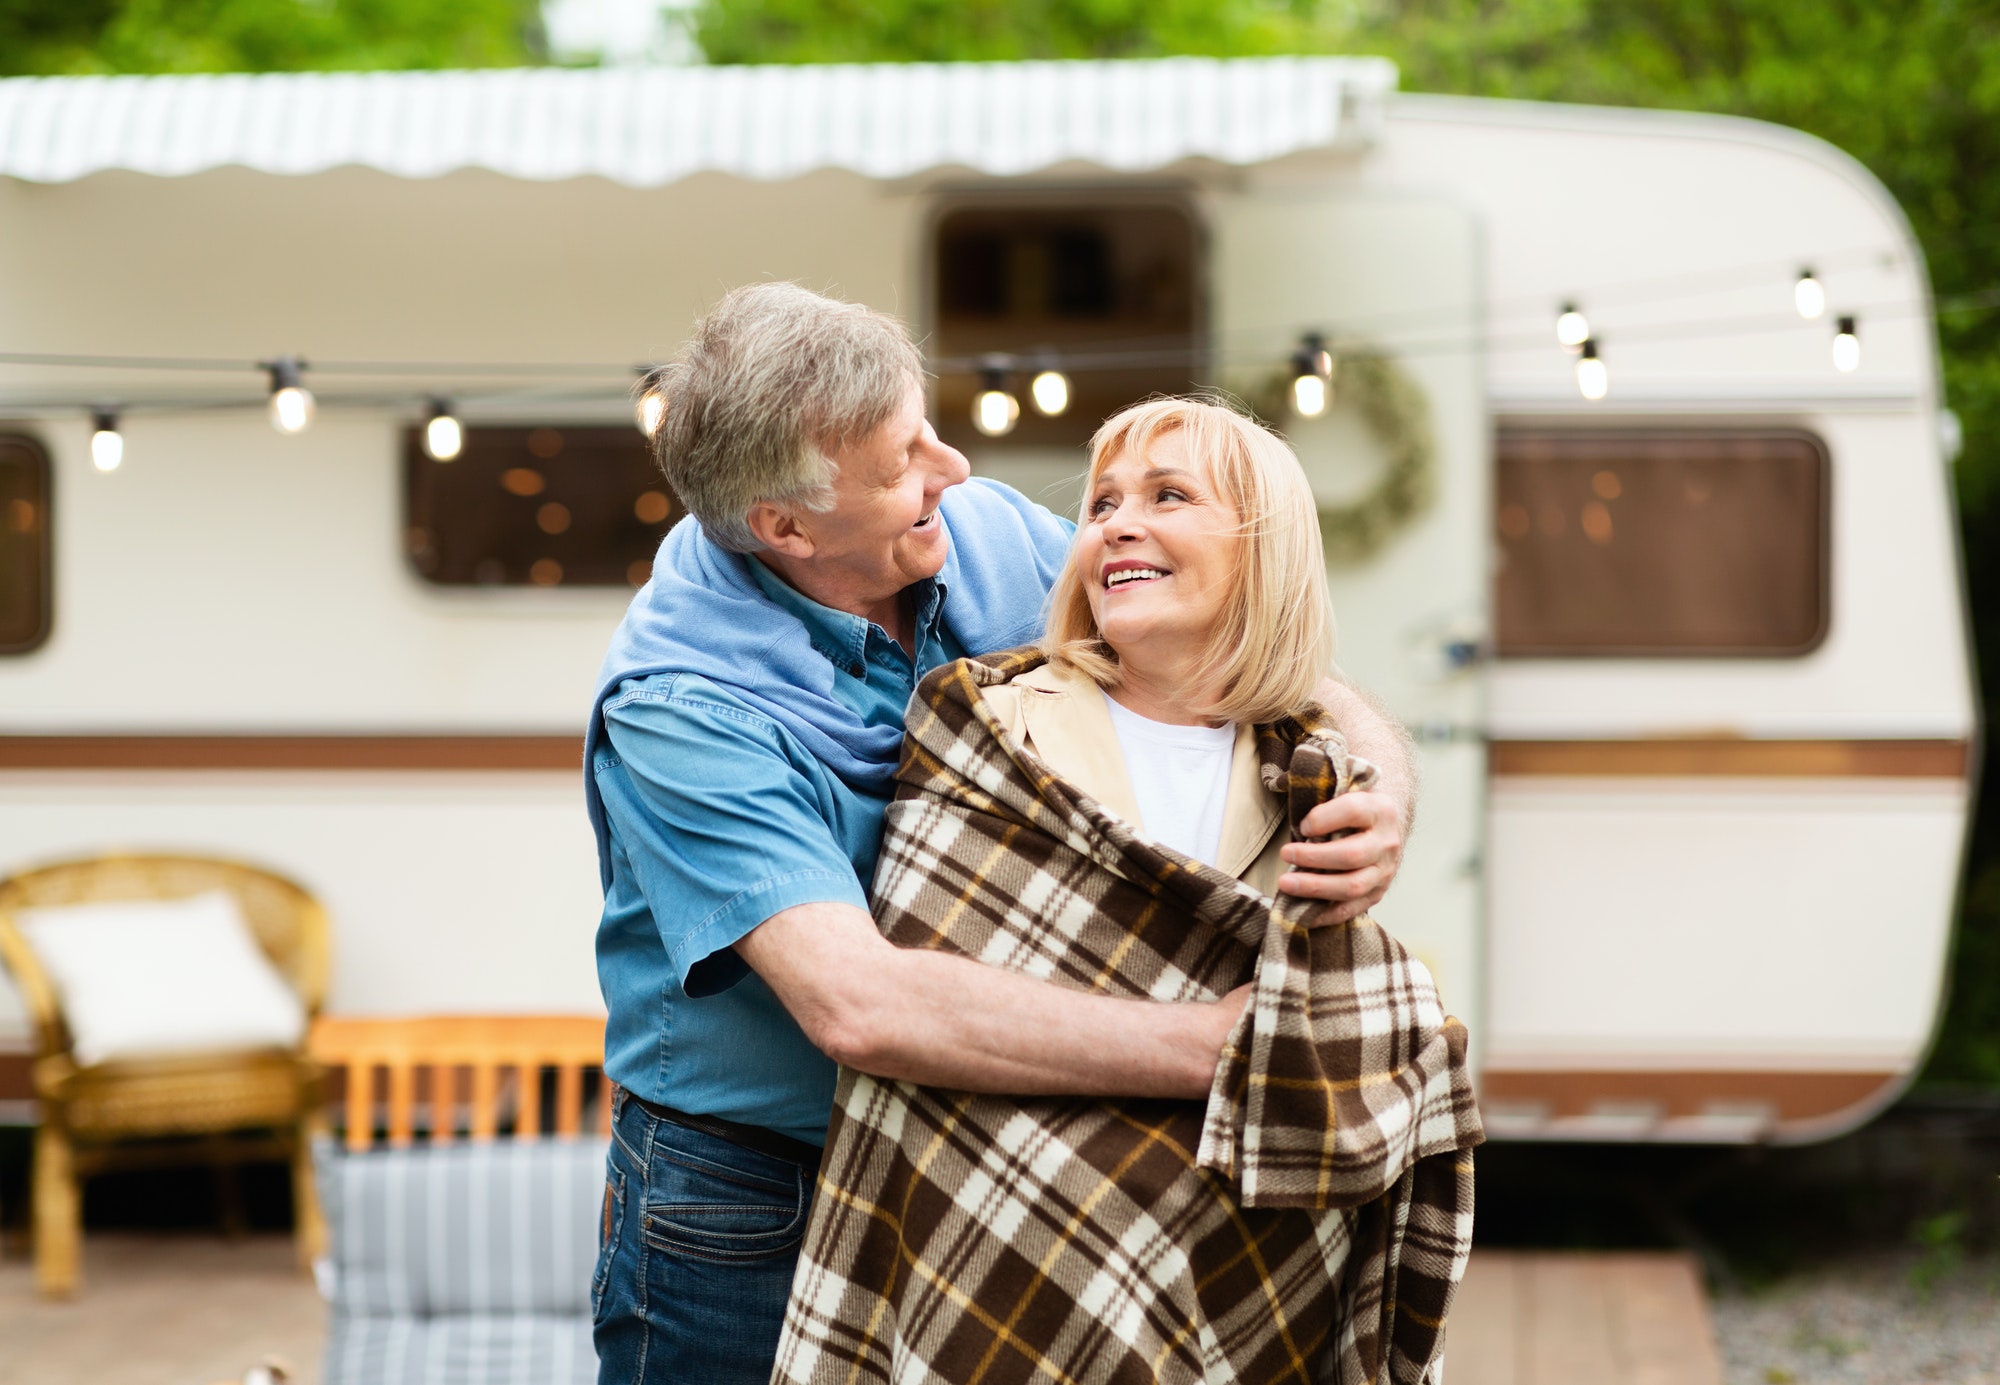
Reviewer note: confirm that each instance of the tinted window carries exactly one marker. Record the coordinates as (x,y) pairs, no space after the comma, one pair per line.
(1062,282)
(1661,543)
(544,507)
(24,545)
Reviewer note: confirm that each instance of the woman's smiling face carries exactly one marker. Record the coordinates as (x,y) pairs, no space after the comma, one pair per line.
(1157,551)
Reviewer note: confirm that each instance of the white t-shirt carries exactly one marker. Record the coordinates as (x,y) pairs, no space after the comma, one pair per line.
(1180,779)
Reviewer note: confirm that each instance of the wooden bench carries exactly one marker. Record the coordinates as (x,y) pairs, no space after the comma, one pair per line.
(451,1077)
(487,1165)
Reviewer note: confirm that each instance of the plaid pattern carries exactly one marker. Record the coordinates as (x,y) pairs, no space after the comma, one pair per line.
(1311,1224)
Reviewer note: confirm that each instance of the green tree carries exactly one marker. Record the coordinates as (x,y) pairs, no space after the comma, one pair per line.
(731,31)
(1909,87)
(84,36)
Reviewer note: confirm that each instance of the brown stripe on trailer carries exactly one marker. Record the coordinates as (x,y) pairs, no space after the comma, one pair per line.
(315,752)
(1797,1103)
(17,1081)
(1731,757)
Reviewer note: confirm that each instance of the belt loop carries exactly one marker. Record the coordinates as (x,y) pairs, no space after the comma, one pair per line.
(617,1100)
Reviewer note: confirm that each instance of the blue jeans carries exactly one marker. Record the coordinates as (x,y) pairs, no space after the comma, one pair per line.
(697,1246)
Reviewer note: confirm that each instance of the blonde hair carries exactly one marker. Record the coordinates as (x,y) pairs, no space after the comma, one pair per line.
(1274,642)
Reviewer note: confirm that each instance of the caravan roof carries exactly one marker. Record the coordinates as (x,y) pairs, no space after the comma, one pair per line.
(649,127)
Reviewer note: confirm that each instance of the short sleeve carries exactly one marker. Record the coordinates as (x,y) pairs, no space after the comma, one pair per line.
(720,827)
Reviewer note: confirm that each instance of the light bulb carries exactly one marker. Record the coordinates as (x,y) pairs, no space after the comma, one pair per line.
(1846,346)
(1809,295)
(292,409)
(107,444)
(291,401)
(1572,327)
(995,411)
(1593,381)
(444,438)
(651,411)
(1050,391)
(1312,374)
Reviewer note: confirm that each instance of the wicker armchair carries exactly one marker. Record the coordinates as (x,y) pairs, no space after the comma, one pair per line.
(236,1105)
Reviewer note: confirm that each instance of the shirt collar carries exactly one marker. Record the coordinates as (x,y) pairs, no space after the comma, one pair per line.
(840,635)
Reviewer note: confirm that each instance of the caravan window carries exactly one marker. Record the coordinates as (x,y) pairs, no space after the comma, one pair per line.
(1106,290)
(541,507)
(1660,543)
(24,545)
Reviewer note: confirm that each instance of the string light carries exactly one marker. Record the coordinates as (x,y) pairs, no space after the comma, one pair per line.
(444,439)
(1572,327)
(1846,346)
(291,401)
(995,411)
(1050,391)
(1593,381)
(651,410)
(1312,376)
(1809,295)
(107,444)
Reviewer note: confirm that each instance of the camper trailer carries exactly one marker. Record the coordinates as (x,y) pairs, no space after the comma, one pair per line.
(1627,428)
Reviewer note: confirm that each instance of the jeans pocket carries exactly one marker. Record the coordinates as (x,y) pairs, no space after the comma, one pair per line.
(699,1208)
(610,1231)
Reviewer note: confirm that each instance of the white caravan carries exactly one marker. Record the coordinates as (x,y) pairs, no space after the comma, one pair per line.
(1627,425)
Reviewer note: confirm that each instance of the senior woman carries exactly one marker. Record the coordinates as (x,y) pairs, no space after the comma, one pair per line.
(738,761)
(1108,813)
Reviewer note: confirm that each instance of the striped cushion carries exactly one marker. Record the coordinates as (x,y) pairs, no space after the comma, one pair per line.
(460,1350)
(463,1264)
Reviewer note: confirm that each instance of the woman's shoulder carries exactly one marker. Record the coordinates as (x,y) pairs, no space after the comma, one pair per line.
(1022,689)
(1007,674)
(1046,686)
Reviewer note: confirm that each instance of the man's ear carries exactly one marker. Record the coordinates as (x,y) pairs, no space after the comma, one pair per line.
(779,530)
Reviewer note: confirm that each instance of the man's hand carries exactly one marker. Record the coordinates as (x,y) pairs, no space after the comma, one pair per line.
(1355,869)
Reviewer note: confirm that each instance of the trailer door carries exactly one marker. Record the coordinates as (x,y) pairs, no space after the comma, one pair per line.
(1397,273)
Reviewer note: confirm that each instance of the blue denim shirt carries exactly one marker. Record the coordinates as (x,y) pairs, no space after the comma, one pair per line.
(718,819)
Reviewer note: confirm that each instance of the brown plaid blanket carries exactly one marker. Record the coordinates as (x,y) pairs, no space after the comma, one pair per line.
(1310,1225)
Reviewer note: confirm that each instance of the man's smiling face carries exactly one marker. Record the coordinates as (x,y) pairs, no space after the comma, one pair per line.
(883,532)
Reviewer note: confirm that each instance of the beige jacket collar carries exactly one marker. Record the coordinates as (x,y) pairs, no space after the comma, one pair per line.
(1062,717)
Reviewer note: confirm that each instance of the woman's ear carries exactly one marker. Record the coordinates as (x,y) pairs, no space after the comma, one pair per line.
(779,530)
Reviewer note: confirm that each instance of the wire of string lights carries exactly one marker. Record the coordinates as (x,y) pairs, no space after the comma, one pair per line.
(1412,333)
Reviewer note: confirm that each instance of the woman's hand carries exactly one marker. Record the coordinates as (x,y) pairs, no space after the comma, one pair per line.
(1352,871)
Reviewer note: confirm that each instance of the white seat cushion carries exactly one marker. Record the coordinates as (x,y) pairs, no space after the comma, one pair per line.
(151,979)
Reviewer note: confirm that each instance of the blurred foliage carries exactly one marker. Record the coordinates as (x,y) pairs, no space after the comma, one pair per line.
(87,36)
(1941,1239)
(1911,88)
(745,31)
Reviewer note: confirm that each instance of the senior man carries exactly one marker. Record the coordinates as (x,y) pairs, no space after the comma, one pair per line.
(748,721)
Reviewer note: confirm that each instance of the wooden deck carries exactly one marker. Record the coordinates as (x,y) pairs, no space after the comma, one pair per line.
(192,1310)
(163,1310)
(1554,1318)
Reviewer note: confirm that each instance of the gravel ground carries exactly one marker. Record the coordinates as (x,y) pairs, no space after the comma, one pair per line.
(1891,1319)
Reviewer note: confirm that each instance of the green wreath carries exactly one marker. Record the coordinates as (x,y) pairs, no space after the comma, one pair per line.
(1393,406)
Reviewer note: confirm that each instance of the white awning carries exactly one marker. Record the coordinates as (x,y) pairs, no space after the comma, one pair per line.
(650,126)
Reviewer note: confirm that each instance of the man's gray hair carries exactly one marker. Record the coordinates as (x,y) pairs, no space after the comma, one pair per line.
(774,380)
